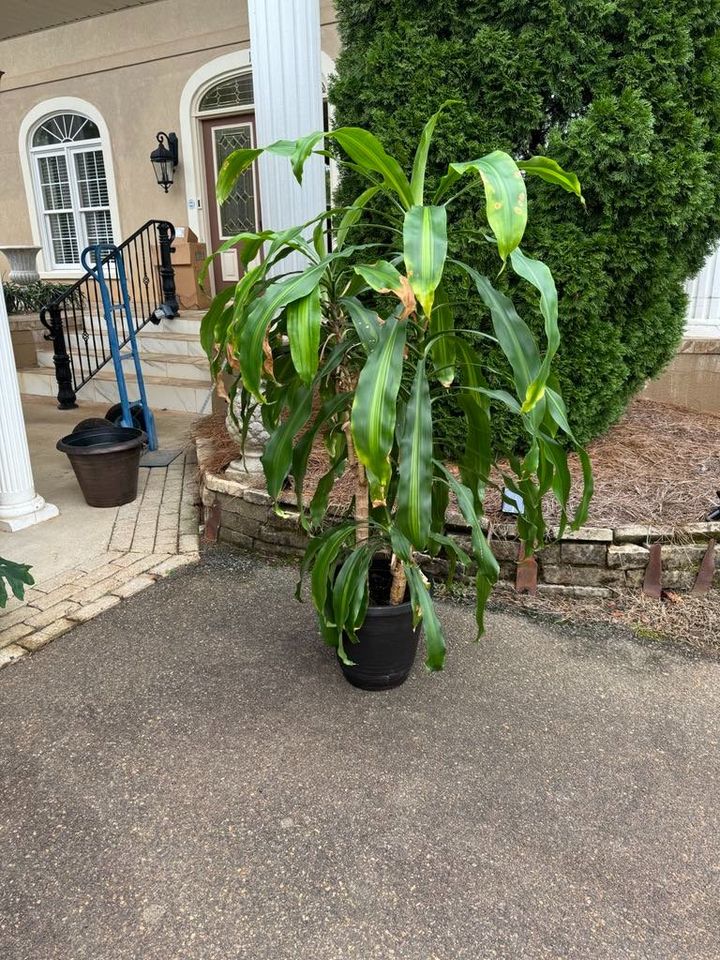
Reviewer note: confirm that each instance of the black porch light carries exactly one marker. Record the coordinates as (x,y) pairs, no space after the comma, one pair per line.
(164,159)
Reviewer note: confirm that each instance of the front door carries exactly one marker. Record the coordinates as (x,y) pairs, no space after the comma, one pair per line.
(240,212)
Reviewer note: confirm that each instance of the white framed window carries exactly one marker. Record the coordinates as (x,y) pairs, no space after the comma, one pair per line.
(71,188)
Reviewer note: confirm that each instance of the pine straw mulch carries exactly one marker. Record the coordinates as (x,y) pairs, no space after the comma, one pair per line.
(658,466)
(678,618)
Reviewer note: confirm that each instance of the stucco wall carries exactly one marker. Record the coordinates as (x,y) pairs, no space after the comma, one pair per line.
(132,67)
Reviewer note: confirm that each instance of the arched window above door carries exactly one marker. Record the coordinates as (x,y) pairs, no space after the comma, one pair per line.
(72,191)
(231,93)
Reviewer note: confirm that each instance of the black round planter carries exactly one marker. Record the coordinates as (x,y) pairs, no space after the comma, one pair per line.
(387,643)
(385,652)
(106,463)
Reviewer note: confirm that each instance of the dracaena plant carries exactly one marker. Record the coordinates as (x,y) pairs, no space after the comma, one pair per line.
(352,348)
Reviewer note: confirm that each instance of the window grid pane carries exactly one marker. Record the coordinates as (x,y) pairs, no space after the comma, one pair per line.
(64,238)
(98,226)
(91,180)
(55,183)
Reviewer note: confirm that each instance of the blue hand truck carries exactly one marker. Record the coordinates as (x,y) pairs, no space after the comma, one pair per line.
(96,259)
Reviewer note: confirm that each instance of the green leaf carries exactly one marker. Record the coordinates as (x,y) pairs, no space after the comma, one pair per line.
(442,350)
(18,577)
(366,150)
(477,455)
(561,480)
(374,407)
(505,196)
(301,453)
(233,166)
(581,514)
(277,456)
(300,150)
(415,472)
(352,216)
(323,568)
(350,592)
(424,250)
(417,180)
(381,276)
(425,611)
(366,321)
(304,318)
(538,274)
(551,171)
(513,334)
(209,323)
(261,314)
(488,568)
(319,501)
(440,502)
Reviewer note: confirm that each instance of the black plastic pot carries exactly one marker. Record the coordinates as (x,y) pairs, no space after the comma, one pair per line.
(106,463)
(387,644)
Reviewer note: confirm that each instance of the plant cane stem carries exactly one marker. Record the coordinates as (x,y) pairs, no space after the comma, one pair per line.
(399,582)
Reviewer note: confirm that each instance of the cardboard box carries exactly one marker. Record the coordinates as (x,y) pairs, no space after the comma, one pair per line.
(187,259)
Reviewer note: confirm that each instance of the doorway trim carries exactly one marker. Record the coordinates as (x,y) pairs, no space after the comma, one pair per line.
(191,144)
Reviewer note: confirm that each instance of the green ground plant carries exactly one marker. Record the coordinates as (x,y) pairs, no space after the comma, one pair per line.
(359,346)
(17,576)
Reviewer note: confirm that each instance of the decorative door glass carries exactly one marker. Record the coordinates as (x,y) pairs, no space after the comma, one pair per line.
(237,214)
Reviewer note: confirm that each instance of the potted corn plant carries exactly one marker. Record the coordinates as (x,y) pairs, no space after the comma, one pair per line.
(352,348)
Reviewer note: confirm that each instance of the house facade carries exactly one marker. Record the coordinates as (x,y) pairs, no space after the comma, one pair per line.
(88,90)
(82,103)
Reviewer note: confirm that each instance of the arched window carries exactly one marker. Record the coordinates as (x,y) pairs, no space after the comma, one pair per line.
(231,93)
(71,187)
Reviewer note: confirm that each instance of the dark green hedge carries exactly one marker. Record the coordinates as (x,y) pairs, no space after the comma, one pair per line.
(626,94)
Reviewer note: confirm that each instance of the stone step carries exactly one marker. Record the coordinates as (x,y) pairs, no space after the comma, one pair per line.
(174,366)
(188,323)
(150,340)
(164,392)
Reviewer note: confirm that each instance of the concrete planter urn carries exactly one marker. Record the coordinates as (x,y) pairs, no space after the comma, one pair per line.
(255,441)
(22,260)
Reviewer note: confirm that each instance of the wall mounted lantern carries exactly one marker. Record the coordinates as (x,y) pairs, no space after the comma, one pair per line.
(164,159)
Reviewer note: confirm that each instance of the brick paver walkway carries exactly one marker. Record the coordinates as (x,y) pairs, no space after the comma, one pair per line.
(152,536)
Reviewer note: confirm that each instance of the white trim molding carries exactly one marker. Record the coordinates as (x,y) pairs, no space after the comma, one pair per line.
(30,121)
(703,290)
(191,148)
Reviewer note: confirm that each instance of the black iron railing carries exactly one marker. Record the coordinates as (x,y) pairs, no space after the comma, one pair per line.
(75,320)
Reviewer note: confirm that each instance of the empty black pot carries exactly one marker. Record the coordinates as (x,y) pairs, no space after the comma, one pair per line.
(387,643)
(106,462)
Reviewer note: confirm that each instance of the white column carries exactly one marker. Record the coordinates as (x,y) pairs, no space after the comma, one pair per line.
(287,82)
(20,506)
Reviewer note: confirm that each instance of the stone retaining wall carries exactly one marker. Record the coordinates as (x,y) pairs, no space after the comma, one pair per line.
(593,562)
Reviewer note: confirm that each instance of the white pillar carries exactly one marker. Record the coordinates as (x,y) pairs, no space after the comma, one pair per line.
(287,82)
(20,506)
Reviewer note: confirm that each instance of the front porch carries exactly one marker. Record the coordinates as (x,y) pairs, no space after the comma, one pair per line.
(86,559)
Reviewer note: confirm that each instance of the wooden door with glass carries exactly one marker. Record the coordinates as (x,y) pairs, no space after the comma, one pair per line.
(240,212)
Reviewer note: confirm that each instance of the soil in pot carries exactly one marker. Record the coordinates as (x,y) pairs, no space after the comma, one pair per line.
(387,644)
(106,462)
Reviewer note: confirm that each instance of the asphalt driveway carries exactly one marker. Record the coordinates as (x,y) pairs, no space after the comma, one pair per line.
(189,777)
